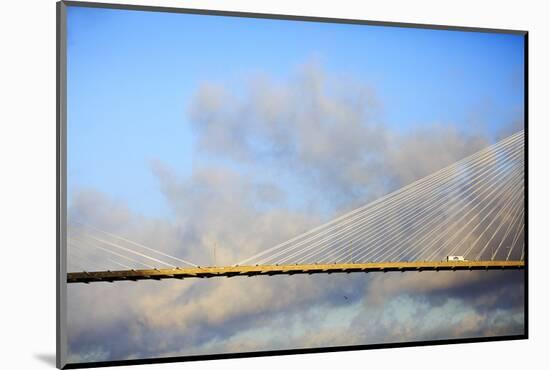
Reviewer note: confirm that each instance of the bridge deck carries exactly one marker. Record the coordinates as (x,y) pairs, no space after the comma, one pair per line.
(230,271)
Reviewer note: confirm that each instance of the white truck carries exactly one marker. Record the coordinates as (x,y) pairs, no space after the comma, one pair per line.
(455,259)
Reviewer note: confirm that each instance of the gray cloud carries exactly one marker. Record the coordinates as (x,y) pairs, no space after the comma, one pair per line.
(328,131)
(438,306)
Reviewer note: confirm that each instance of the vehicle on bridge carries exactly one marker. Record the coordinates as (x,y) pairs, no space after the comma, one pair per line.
(455,258)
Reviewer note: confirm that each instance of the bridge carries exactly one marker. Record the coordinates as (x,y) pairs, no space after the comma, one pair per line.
(472,209)
(270,270)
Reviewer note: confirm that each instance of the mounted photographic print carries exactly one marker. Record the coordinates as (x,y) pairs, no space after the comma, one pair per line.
(236,184)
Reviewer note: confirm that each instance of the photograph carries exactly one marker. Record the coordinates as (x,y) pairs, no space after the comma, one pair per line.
(241,184)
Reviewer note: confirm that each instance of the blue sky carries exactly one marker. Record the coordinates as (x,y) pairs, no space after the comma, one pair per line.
(131,75)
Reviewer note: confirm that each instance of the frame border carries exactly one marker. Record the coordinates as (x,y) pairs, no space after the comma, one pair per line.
(239,14)
(61,185)
(61,191)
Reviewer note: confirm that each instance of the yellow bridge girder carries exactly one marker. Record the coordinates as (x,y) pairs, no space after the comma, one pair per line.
(230,271)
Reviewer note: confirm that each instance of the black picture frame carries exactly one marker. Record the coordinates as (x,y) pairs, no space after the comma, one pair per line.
(61,200)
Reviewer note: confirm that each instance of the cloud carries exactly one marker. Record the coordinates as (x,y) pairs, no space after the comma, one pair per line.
(435,305)
(274,160)
(325,129)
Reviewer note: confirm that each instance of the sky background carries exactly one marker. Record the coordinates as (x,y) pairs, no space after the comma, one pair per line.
(188,130)
(132,75)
